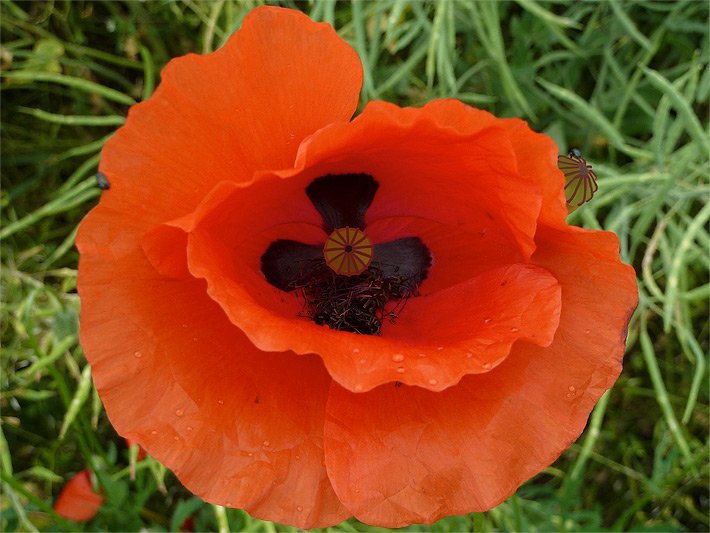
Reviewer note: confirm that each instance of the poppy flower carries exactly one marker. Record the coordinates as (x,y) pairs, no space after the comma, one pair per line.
(78,501)
(456,357)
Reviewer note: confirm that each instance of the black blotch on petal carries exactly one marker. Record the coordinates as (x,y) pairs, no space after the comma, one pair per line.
(342,199)
(407,258)
(285,263)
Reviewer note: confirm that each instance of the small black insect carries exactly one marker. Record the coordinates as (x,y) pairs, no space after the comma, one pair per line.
(102,181)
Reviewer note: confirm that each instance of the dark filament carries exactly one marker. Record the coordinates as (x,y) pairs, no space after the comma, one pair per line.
(359,304)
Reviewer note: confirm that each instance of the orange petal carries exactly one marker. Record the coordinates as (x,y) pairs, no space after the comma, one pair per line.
(426,168)
(467,328)
(78,501)
(459,255)
(535,153)
(174,374)
(537,158)
(400,455)
(224,115)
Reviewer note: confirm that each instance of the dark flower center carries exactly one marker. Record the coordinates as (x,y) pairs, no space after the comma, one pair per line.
(348,283)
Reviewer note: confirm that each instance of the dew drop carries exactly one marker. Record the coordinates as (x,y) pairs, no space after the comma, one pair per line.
(189,428)
(587,331)
(514,330)
(153,432)
(487,321)
(363,361)
(439,348)
(356,350)
(469,355)
(400,370)
(176,437)
(184,326)
(266,444)
(397,358)
(432,381)
(179,412)
(250,454)
(421,355)
(358,388)
(487,365)
(571,388)
(299,508)
(137,354)
(570,395)
(220,402)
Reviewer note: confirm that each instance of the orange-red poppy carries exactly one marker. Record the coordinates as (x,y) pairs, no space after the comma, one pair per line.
(78,501)
(461,362)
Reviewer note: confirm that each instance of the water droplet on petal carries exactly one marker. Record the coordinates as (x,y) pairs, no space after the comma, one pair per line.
(266,444)
(184,326)
(469,355)
(514,330)
(176,437)
(571,388)
(400,370)
(487,321)
(220,402)
(363,361)
(439,348)
(189,428)
(398,357)
(421,355)
(179,412)
(299,508)
(250,454)
(137,354)
(153,432)
(487,365)
(432,381)
(358,388)
(356,350)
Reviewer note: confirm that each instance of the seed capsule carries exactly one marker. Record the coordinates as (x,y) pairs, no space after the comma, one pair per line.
(348,251)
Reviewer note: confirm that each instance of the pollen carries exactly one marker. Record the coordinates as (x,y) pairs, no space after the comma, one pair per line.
(348,251)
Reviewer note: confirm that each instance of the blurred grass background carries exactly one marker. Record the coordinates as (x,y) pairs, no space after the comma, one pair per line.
(626,81)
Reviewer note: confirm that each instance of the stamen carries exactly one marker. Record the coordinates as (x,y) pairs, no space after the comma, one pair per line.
(359,303)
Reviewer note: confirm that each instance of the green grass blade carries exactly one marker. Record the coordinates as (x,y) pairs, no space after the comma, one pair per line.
(87,86)
(592,116)
(82,393)
(73,120)
(682,106)
(661,393)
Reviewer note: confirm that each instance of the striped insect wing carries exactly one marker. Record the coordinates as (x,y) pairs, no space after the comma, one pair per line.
(580,179)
